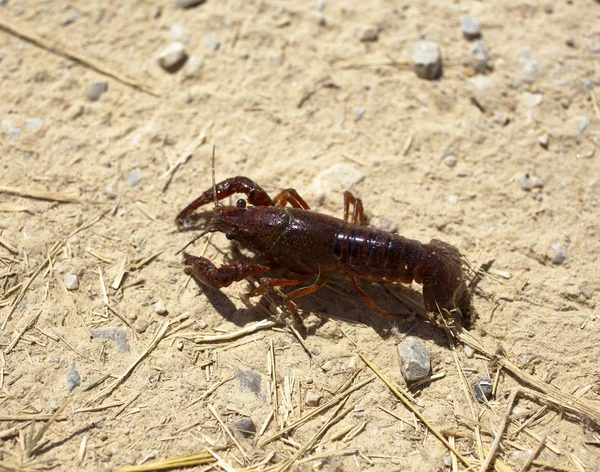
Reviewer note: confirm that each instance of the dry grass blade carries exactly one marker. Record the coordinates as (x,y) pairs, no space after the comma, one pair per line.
(228,431)
(31,443)
(112,387)
(20,332)
(534,455)
(71,303)
(416,412)
(213,338)
(58,48)
(316,411)
(65,197)
(8,246)
(173,463)
(488,460)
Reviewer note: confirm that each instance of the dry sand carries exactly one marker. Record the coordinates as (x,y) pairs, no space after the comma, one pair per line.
(292,102)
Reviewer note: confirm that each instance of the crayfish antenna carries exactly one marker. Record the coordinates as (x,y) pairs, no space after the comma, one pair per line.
(208,230)
(213,177)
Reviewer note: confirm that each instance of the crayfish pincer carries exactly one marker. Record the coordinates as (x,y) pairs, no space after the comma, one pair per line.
(289,235)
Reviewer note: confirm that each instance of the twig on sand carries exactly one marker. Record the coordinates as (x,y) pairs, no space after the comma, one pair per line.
(62,50)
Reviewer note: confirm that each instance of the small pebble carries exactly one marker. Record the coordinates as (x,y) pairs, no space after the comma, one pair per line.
(358,114)
(96,90)
(173,57)
(369,34)
(532,99)
(245,425)
(112,189)
(179,345)
(479,57)
(529,182)
(470,27)
(469,352)
(135,177)
(571,42)
(132,316)
(414,359)
(188,3)
(140,325)
(202,324)
(327,366)
(582,122)
(448,461)
(312,398)
(483,389)
(178,33)
(527,66)
(519,412)
(73,378)
(565,102)
(71,282)
(308,379)
(160,307)
(54,405)
(544,141)
(450,160)
(559,254)
(320,18)
(501,118)
(427,60)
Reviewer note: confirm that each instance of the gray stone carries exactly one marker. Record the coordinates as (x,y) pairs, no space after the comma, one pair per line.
(96,90)
(528,182)
(245,425)
(479,57)
(450,160)
(469,352)
(471,29)
(140,325)
(560,254)
(312,398)
(582,122)
(369,34)
(135,177)
(71,282)
(527,66)
(160,307)
(115,334)
(112,189)
(544,141)
(427,60)
(173,57)
(587,85)
(483,389)
(54,405)
(73,378)
(414,359)
(188,3)
(178,33)
(532,99)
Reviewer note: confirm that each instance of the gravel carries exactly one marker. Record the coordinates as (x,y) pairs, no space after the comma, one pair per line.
(479,57)
(73,378)
(527,66)
(529,182)
(312,398)
(173,57)
(369,34)
(471,29)
(582,123)
(483,389)
(140,325)
(469,352)
(112,189)
(414,359)
(245,425)
(160,308)
(559,255)
(135,177)
(96,90)
(427,60)
(71,282)
(544,141)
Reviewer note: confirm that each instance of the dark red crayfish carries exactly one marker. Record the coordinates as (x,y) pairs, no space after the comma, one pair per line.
(313,244)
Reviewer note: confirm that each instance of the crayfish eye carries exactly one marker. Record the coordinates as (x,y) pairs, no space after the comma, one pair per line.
(241,203)
(230,235)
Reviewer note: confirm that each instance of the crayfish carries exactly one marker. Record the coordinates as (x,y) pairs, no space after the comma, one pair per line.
(289,235)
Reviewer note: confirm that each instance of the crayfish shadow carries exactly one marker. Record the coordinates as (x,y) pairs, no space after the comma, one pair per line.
(338,303)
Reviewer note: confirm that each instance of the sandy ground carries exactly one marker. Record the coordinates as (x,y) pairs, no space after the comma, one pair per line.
(292,97)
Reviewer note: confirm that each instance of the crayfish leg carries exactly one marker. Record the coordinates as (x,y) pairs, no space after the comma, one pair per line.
(265,283)
(205,272)
(291,196)
(358,212)
(302,292)
(372,305)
